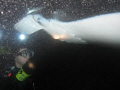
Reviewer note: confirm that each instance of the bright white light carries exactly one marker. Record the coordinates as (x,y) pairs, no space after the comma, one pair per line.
(22,36)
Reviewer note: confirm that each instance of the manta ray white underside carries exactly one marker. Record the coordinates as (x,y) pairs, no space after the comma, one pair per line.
(103,29)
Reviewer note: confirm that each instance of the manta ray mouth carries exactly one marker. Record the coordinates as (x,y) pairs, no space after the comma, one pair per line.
(37,20)
(28,24)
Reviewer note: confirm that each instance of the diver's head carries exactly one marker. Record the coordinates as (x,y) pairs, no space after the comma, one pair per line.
(22,57)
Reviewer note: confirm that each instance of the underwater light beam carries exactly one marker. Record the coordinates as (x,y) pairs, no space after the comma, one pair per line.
(102,29)
(22,37)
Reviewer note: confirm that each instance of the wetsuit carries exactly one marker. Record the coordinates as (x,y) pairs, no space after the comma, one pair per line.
(8,80)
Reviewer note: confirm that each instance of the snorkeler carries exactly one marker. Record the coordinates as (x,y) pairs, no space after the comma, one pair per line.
(17,78)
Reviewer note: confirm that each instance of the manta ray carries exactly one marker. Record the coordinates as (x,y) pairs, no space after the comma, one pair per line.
(101,29)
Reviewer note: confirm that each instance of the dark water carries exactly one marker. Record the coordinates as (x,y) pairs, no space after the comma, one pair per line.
(61,65)
(71,66)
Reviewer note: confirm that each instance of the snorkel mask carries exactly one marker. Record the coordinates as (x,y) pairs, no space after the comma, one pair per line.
(26,53)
